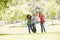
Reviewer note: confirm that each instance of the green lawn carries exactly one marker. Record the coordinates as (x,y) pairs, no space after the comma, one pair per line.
(21,33)
(32,36)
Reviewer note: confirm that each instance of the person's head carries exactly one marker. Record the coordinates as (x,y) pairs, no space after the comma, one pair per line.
(34,14)
(40,13)
(28,16)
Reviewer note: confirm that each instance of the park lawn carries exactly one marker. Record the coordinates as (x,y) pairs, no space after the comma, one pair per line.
(32,36)
(21,33)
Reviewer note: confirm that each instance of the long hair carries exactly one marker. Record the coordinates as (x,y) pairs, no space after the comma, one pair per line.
(29,16)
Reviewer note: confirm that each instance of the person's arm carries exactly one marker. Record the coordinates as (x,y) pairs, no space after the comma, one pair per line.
(44,18)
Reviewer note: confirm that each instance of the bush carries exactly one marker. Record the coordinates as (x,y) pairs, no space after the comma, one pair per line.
(52,15)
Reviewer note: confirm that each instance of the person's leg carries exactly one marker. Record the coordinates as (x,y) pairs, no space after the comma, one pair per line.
(29,28)
(34,25)
(44,29)
(41,27)
(34,28)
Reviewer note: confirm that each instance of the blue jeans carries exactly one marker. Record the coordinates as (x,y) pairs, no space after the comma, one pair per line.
(29,28)
(33,24)
(42,27)
(34,27)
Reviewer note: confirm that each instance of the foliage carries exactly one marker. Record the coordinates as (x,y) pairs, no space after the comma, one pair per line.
(27,0)
(52,15)
(21,7)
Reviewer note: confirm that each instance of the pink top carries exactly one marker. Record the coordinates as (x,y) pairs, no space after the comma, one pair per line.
(41,18)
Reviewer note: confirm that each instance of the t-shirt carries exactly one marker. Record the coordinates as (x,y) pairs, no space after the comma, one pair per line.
(29,22)
(33,19)
(29,19)
(41,18)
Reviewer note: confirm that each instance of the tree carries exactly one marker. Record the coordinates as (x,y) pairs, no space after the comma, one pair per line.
(52,16)
(58,1)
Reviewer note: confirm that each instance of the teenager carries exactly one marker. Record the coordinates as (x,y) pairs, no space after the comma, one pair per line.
(29,24)
(34,23)
(42,20)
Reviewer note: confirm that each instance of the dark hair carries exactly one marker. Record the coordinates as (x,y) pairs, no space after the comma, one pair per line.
(29,16)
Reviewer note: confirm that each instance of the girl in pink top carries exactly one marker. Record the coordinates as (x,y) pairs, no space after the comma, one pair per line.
(41,17)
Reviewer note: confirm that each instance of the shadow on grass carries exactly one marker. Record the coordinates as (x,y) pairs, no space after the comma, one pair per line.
(32,33)
(13,34)
(4,34)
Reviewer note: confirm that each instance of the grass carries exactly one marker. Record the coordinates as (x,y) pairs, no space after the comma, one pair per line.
(32,36)
(52,24)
